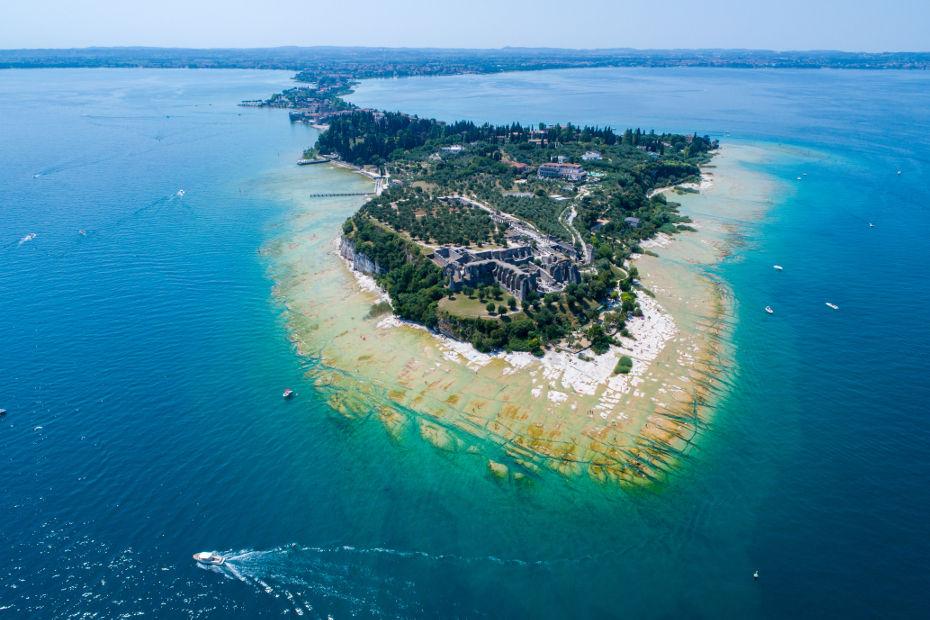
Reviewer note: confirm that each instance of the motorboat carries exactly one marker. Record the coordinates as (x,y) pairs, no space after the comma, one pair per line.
(777,267)
(2,412)
(833,306)
(288,393)
(769,310)
(209,558)
(180,193)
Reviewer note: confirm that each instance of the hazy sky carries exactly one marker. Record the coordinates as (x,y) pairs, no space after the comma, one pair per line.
(870,25)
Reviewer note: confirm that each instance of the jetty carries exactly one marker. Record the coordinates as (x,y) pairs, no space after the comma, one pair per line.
(337,194)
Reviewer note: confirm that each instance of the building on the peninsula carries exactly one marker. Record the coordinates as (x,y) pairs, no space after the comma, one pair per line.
(560,170)
(516,269)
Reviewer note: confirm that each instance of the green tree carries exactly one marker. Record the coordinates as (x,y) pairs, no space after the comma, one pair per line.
(600,341)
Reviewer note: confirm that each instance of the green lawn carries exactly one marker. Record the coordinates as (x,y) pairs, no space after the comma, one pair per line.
(465,307)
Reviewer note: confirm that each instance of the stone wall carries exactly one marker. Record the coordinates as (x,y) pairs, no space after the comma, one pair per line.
(479,273)
(564,272)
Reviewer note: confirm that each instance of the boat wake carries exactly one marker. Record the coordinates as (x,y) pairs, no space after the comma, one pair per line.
(320,582)
(341,580)
(151,209)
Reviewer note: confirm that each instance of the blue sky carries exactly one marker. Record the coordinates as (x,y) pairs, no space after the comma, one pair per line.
(866,25)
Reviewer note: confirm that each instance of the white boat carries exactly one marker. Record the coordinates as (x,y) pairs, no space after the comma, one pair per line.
(180,193)
(871,225)
(769,310)
(899,172)
(287,393)
(834,306)
(777,267)
(209,558)
(2,412)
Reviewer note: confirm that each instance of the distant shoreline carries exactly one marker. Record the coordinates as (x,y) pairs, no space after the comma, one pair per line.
(368,62)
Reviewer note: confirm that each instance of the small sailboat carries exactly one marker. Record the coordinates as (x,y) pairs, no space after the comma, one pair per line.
(833,306)
(180,193)
(871,225)
(288,393)
(769,310)
(777,267)
(209,558)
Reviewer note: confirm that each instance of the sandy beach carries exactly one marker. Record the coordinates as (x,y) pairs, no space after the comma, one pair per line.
(561,412)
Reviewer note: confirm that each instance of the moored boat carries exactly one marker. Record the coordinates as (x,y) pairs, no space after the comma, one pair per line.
(777,267)
(833,306)
(288,393)
(769,310)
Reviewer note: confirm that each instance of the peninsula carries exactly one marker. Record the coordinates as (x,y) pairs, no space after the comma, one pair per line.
(508,243)
(508,237)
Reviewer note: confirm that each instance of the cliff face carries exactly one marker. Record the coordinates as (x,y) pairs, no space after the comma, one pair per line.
(359,261)
(446,328)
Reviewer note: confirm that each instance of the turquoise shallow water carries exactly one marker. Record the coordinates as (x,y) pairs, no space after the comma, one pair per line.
(142,365)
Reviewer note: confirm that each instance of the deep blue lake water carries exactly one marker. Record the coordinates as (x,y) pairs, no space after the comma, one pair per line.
(142,362)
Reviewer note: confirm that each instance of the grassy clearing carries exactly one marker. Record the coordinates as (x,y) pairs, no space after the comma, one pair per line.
(467,307)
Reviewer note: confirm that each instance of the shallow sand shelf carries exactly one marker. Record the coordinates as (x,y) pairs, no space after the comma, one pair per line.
(559,412)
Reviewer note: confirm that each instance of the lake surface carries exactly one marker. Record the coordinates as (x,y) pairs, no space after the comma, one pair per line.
(143,355)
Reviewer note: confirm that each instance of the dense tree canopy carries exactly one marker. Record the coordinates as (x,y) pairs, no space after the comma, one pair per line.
(611,211)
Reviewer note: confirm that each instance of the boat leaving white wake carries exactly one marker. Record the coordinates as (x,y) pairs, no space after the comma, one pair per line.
(344,580)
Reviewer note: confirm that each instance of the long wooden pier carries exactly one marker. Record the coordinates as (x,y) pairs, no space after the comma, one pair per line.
(335,194)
